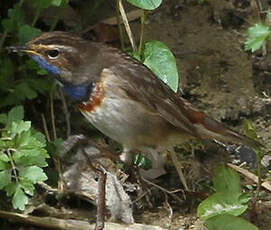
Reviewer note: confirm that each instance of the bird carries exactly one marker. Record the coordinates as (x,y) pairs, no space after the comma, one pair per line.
(122,97)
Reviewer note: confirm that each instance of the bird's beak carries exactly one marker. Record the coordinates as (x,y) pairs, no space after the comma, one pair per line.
(23,49)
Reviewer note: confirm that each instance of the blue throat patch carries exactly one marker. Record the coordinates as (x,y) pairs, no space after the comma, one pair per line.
(44,64)
(78,92)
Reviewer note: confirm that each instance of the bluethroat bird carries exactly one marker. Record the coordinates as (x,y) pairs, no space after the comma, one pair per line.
(121,97)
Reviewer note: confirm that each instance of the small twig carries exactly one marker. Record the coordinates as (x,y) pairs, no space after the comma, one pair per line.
(251,176)
(58,16)
(120,27)
(259,173)
(12,164)
(132,15)
(53,114)
(45,127)
(69,224)
(178,167)
(101,200)
(163,189)
(66,112)
(169,208)
(126,24)
(36,17)
(143,20)
(101,193)
(3,38)
(142,195)
(47,187)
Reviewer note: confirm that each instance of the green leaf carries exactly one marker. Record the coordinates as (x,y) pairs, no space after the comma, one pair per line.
(33,173)
(6,73)
(27,186)
(3,118)
(24,91)
(221,203)
(38,160)
(250,131)
(2,144)
(39,137)
(19,126)
(268,16)
(227,180)
(4,157)
(15,20)
(27,33)
(42,4)
(256,36)
(19,199)
(15,114)
(11,188)
(3,165)
(23,139)
(162,62)
(229,222)
(58,3)
(146,4)
(143,162)
(5,178)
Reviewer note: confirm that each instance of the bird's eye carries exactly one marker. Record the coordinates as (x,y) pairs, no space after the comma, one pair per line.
(53,54)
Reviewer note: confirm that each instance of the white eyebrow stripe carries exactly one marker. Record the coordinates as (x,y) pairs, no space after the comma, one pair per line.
(61,47)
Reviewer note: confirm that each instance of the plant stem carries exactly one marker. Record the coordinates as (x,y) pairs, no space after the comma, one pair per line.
(36,17)
(3,38)
(119,26)
(143,20)
(127,26)
(59,14)
(12,163)
(259,172)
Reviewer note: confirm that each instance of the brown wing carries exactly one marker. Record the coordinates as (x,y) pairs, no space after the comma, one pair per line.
(143,86)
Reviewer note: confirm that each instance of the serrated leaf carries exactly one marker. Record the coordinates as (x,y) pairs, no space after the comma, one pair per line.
(227,180)
(5,178)
(27,33)
(33,173)
(38,160)
(10,188)
(162,62)
(146,4)
(229,222)
(39,137)
(27,186)
(23,139)
(19,199)
(221,203)
(256,36)
(19,126)
(15,114)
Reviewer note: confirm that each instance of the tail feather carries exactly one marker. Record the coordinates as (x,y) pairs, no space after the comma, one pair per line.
(211,129)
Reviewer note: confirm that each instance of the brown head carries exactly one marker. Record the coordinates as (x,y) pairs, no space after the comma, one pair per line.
(74,61)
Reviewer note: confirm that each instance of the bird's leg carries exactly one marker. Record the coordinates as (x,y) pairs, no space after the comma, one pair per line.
(178,166)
